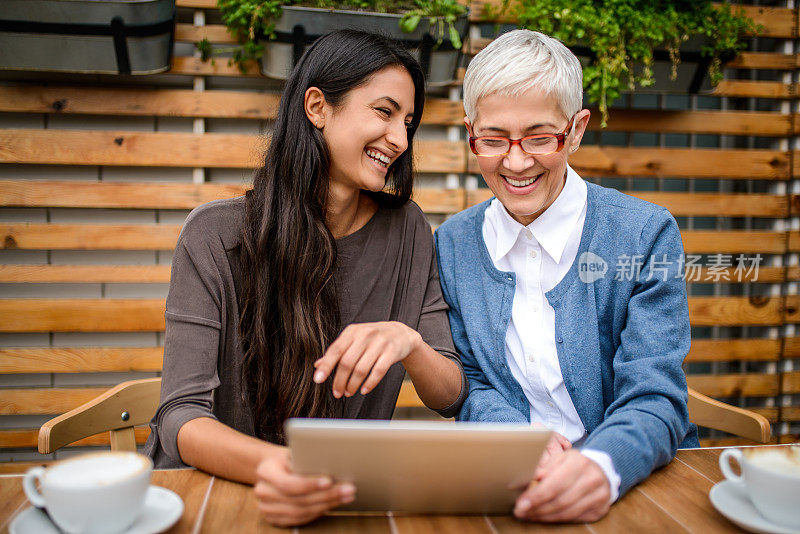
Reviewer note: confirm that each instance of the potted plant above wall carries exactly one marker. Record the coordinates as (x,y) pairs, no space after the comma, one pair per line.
(622,40)
(276,32)
(87,36)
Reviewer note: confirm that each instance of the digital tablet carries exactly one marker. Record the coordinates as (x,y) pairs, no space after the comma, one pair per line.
(420,466)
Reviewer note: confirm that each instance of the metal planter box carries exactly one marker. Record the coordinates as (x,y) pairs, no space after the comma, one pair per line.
(87,36)
(300,26)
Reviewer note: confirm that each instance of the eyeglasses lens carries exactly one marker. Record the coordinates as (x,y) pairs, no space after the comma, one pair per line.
(532,145)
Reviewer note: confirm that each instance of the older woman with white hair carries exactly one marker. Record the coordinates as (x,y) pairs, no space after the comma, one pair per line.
(568,304)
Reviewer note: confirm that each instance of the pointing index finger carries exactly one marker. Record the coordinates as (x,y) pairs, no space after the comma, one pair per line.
(327,363)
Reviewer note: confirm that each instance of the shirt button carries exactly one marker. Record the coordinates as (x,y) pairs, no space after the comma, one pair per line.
(534,307)
(550,404)
(528,233)
(533,253)
(531,357)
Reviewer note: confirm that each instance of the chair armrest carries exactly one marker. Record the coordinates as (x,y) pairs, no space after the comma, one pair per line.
(139,398)
(707,412)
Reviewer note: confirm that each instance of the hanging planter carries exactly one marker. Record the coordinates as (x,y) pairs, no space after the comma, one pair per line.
(278,33)
(301,26)
(692,75)
(87,36)
(640,45)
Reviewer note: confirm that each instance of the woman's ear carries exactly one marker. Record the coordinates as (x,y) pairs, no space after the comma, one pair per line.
(468,124)
(315,106)
(578,129)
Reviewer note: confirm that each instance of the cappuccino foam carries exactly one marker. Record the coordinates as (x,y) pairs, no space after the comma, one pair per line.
(95,470)
(784,460)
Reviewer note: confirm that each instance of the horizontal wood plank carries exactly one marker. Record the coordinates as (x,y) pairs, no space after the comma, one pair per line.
(174,103)
(790,382)
(733,242)
(765,60)
(691,121)
(606,161)
(194,66)
(29,438)
(791,347)
(146,195)
(691,204)
(80,359)
(45,274)
(735,311)
(139,102)
(127,195)
(147,315)
(69,147)
(256,105)
(754,89)
(719,350)
(39,236)
(147,149)
(215,33)
(197,4)
(780,22)
(86,274)
(790,413)
(723,205)
(735,385)
(45,401)
(82,315)
(34,236)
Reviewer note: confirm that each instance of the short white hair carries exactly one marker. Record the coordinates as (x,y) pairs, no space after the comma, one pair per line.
(521,60)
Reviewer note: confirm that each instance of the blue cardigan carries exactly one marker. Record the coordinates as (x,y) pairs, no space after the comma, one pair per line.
(620,338)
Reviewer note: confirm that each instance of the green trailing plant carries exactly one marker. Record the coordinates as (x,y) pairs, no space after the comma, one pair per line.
(621,36)
(253,21)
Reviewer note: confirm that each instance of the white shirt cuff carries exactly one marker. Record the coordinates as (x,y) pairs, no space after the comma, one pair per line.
(604,461)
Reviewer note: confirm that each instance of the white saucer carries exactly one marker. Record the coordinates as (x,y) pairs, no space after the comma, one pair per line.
(162,508)
(731,501)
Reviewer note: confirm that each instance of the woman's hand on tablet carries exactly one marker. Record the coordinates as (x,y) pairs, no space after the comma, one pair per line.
(570,488)
(362,355)
(555,447)
(288,499)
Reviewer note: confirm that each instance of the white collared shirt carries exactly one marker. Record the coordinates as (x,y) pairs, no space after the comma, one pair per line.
(540,255)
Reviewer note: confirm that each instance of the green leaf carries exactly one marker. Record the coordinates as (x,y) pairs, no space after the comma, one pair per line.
(409,23)
(455,38)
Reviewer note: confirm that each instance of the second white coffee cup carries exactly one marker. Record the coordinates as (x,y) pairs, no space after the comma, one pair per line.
(96,493)
(771,481)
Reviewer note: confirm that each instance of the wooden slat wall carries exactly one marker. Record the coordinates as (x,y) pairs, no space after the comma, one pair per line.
(49,211)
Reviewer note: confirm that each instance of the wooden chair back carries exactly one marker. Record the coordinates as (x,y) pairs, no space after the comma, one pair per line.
(133,403)
(117,411)
(710,413)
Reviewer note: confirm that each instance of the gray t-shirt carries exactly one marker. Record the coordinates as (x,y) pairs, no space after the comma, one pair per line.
(386,272)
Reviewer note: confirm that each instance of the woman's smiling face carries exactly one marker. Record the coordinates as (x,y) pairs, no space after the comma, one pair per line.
(526,185)
(369,131)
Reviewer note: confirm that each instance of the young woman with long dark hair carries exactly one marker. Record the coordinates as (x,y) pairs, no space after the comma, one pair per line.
(263,285)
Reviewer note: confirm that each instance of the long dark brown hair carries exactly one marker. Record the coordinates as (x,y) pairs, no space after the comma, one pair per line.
(288,302)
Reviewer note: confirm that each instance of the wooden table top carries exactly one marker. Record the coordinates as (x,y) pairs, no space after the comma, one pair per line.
(673,499)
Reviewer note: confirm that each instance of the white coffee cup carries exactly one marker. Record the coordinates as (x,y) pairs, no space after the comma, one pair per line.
(771,478)
(95,493)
